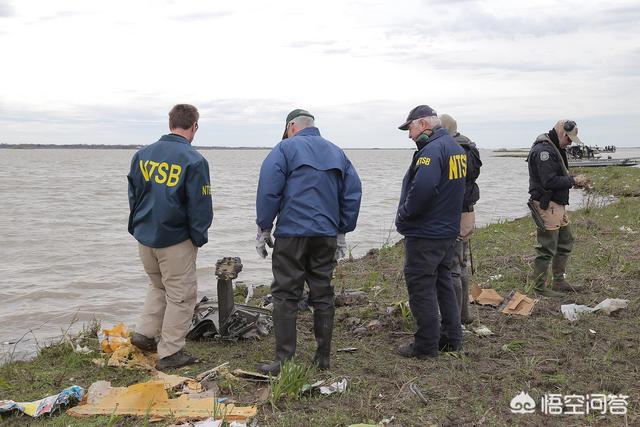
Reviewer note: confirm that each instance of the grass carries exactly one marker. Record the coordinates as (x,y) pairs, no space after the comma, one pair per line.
(539,354)
(289,383)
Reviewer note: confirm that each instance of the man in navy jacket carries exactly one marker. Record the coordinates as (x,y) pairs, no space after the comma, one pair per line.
(170,213)
(314,190)
(429,217)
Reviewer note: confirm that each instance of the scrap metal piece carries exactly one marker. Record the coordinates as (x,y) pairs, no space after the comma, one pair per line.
(247,322)
(227,268)
(225,300)
(225,318)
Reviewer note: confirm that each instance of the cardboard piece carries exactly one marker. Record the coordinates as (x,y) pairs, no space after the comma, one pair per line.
(485,296)
(519,304)
(151,399)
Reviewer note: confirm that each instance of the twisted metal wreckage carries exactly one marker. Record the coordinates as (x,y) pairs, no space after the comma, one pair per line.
(225,319)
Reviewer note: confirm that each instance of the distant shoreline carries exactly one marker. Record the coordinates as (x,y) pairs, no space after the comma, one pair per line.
(137,147)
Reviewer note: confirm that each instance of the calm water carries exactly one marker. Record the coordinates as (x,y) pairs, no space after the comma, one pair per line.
(66,252)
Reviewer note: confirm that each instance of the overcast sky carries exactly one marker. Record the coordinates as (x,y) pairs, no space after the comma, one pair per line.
(79,71)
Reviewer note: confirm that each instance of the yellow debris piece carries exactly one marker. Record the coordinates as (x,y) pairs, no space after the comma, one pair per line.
(112,339)
(151,399)
(131,357)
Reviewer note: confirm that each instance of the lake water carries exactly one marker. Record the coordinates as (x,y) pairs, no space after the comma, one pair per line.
(66,252)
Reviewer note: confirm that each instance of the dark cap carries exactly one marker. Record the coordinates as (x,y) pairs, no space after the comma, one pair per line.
(417,113)
(292,115)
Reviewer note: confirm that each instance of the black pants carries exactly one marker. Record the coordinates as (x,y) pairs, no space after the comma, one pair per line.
(427,271)
(297,260)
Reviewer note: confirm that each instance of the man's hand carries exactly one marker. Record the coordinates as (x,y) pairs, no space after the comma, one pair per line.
(580,180)
(341,249)
(263,239)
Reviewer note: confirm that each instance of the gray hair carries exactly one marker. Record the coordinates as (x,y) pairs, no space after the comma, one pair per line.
(433,121)
(302,122)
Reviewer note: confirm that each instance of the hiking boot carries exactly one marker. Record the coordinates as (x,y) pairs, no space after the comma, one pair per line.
(408,350)
(176,360)
(547,292)
(562,285)
(144,343)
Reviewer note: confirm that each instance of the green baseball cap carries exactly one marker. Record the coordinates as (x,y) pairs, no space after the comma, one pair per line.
(292,115)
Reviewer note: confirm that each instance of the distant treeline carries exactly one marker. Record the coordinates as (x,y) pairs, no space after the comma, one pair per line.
(111,147)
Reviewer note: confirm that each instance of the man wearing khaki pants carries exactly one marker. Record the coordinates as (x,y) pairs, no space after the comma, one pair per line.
(460,270)
(171,211)
(549,184)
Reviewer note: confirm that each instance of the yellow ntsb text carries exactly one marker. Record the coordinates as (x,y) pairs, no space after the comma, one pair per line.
(458,166)
(161,172)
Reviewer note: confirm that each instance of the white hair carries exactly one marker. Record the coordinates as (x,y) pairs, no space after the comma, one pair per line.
(433,121)
(302,122)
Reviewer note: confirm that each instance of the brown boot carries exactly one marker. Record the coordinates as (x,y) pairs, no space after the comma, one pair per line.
(558,269)
(561,285)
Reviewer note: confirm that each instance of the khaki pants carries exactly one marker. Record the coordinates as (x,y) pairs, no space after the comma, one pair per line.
(554,217)
(171,296)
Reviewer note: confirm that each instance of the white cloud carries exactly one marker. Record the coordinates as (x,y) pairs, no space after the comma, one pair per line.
(360,66)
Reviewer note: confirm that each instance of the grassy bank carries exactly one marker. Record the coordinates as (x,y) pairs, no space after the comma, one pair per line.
(543,353)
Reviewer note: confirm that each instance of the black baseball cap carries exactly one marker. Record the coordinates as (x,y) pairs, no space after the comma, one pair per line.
(292,115)
(417,113)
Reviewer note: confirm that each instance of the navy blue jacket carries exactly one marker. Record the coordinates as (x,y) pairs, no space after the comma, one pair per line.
(433,189)
(169,194)
(312,187)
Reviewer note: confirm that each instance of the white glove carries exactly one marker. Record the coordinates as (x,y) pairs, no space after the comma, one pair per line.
(341,249)
(263,238)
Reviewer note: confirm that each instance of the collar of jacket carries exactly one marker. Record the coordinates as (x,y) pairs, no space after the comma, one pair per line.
(438,131)
(174,138)
(311,130)
(547,138)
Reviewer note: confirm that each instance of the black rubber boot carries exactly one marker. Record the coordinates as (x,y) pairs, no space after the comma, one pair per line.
(284,326)
(323,330)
